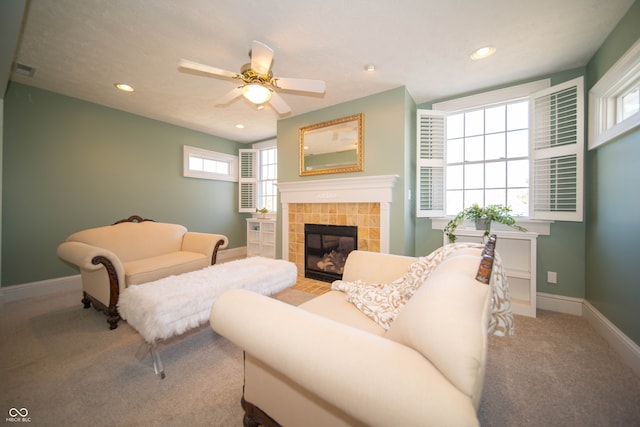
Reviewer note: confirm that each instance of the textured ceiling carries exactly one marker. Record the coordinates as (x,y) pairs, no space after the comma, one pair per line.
(80,48)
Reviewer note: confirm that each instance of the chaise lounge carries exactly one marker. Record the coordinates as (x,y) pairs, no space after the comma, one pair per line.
(134,251)
(327,363)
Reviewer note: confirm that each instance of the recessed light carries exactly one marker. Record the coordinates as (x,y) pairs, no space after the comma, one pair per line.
(240,126)
(483,52)
(124,87)
(370,67)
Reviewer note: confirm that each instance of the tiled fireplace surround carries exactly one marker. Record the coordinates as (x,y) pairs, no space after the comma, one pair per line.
(362,201)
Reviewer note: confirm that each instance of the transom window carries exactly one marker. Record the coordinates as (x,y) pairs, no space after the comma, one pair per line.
(615,100)
(487,158)
(207,164)
(629,103)
(202,164)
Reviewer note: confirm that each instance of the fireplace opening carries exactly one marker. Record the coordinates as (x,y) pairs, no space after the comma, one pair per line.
(326,248)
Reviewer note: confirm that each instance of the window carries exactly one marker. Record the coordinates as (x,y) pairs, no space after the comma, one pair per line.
(268,179)
(258,177)
(205,164)
(629,104)
(615,100)
(520,146)
(487,158)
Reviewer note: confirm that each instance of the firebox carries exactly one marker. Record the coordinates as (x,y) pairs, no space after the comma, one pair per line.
(326,248)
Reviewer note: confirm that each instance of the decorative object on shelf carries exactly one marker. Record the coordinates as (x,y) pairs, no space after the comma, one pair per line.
(483,216)
(262,212)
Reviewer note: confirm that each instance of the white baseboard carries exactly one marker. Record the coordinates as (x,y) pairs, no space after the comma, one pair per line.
(559,303)
(622,344)
(74,283)
(43,287)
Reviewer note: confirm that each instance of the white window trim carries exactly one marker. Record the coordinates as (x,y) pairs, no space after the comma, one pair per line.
(213,155)
(603,96)
(270,143)
(537,218)
(483,100)
(494,96)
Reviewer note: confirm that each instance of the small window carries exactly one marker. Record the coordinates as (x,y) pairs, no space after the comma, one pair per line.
(205,164)
(615,100)
(629,104)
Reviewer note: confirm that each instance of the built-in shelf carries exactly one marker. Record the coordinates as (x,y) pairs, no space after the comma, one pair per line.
(518,252)
(261,237)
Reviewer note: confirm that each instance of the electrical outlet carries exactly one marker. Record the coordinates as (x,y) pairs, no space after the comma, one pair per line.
(552,277)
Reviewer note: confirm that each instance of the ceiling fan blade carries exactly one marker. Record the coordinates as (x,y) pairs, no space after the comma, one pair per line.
(207,69)
(230,96)
(303,85)
(278,104)
(261,57)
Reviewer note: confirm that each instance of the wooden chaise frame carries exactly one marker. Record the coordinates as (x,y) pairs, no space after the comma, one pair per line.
(113,317)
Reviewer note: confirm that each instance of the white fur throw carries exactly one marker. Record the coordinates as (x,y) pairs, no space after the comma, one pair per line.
(175,304)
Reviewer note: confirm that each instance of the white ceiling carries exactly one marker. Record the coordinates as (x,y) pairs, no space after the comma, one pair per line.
(80,48)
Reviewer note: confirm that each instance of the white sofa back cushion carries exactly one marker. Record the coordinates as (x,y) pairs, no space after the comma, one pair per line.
(448,305)
(132,241)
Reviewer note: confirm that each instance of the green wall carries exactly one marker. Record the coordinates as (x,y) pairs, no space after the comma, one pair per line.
(563,251)
(613,231)
(386,146)
(70,164)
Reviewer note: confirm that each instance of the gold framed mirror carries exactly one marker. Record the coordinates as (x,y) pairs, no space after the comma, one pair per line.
(335,146)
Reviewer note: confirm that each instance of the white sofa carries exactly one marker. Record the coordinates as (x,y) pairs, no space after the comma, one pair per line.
(325,363)
(134,251)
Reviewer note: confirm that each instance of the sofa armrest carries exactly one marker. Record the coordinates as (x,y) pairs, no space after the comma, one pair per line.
(371,378)
(83,255)
(204,243)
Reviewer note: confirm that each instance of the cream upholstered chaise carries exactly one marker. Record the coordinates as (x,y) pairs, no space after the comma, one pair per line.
(134,251)
(325,363)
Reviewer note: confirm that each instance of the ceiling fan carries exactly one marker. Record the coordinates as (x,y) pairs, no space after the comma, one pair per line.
(258,83)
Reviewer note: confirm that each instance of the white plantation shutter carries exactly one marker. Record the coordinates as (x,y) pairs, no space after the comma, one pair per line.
(430,163)
(557,150)
(248,180)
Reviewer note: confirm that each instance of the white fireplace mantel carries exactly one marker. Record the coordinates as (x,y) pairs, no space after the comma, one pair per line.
(366,189)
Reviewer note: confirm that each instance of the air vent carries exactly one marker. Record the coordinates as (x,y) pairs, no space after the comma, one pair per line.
(25,70)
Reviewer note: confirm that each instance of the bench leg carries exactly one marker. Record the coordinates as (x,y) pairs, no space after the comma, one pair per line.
(155,356)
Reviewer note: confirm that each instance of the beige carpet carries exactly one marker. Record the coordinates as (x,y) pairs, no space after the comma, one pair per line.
(63,364)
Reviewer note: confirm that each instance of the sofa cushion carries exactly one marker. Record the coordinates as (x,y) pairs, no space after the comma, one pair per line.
(154,268)
(441,321)
(334,305)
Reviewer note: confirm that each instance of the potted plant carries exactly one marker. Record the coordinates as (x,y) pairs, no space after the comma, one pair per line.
(482,216)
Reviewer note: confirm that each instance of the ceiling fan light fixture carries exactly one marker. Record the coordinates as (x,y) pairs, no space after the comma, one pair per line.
(256,93)
(483,52)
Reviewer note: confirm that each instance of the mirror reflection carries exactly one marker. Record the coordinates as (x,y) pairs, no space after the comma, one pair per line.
(335,146)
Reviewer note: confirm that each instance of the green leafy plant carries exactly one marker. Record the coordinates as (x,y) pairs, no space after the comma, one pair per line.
(483,216)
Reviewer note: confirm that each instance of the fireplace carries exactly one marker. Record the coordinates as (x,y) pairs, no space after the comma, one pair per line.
(326,248)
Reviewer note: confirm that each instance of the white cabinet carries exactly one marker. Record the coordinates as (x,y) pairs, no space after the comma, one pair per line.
(518,252)
(261,237)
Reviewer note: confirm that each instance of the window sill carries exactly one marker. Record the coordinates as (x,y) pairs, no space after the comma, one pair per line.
(540,227)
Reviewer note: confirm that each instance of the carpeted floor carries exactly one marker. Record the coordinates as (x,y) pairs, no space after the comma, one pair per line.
(66,367)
